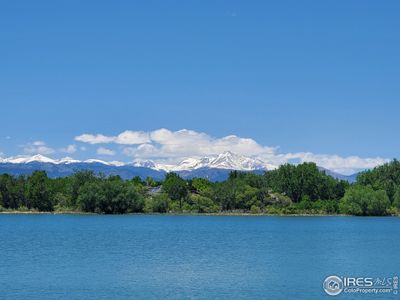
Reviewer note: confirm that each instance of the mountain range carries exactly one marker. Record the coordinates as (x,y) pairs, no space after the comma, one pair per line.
(226,160)
(215,168)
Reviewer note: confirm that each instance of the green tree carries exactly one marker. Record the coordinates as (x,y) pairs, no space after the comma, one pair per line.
(137,181)
(396,200)
(60,201)
(6,190)
(110,196)
(113,199)
(224,193)
(37,193)
(150,182)
(201,186)
(255,209)
(12,191)
(364,201)
(157,203)
(378,204)
(305,180)
(76,182)
(385,177)
(246,196)
(175,187)
(89,195)
(203,204)
(134,198)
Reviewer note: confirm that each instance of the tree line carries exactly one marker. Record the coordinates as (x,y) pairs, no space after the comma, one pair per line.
(290,189)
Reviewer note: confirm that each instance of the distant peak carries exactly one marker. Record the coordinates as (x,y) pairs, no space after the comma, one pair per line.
(227,153)
(226,160)
(92,161)
(67,160)
(27,159)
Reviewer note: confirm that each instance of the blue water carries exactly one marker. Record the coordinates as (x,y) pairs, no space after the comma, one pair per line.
(190,257)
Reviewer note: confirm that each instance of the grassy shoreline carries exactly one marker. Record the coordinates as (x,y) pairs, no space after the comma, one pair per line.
(232,214)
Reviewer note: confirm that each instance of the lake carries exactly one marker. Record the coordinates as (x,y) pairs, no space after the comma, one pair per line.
(191,257)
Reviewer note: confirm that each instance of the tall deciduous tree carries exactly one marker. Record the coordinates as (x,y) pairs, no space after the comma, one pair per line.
(175,187)
(37,193)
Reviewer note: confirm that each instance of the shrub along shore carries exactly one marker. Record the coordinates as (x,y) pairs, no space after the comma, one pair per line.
(288,190)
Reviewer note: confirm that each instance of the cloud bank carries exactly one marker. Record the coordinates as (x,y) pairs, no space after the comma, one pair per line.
(40,147)
(127,137)
(166,146)
(105,151)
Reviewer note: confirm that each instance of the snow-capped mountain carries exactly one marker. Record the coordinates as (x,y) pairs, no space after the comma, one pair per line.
(145,164)
(67,160)
(24,159)
(193,163)
(214,168)
(185,165)
(226,161)
(229,160)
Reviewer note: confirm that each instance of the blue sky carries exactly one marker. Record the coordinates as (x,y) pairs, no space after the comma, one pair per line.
(318,77)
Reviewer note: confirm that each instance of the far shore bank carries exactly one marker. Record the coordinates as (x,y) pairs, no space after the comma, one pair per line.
(222,214)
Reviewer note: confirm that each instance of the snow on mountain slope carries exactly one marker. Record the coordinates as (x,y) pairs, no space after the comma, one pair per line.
(229,160)
(24,159)
(116,163)
(67,160)
(187,164)
(98,161)
(226,160)
(193,163)
(144,164)
(216,167)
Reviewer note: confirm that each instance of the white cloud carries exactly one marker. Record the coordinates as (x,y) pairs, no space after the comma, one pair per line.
(132,137)
(38,143)
(104,151)
(345,165)
(144,150)
(176,145)
(127,137)
(38,147)
(69,149)
(94,139)
(164,145)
